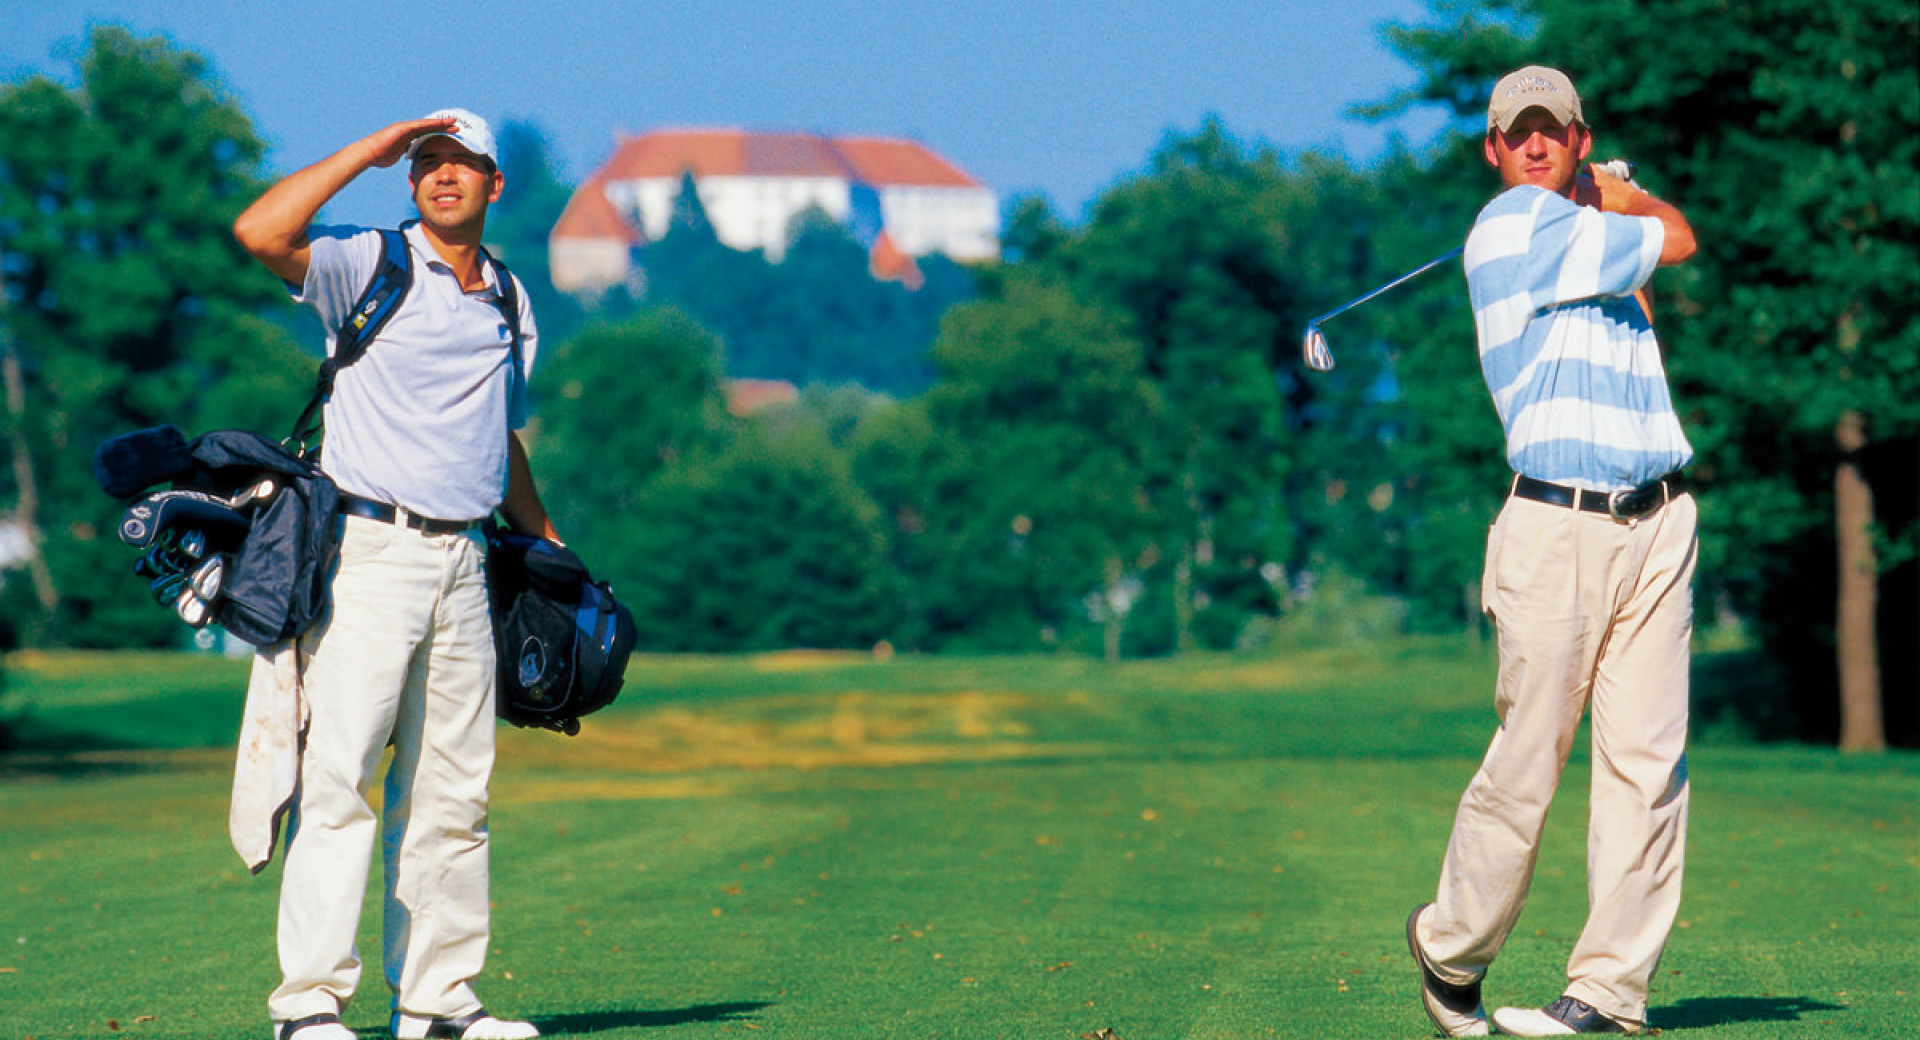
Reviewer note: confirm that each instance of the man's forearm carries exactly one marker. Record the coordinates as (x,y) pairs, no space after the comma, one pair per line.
(274,228)
(522,507)
(1618,196)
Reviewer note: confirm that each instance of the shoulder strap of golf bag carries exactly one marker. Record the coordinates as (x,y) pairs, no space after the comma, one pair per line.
(392,277)
(506,296)
(388,286)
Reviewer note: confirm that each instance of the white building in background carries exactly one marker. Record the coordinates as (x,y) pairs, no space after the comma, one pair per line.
(896,197)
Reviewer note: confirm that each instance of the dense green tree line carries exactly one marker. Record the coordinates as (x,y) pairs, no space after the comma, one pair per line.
(1111,446)
(126,303)
(815,316)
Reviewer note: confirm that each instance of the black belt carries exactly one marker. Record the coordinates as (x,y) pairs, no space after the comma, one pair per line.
(367,508)
(1631,504)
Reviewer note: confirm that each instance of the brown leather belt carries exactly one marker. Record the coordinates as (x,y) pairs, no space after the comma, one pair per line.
(367,508)
(1631,504)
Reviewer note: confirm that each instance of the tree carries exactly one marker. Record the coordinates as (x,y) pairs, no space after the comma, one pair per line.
(518,225)
(816,316)
(614,407)
(1032,503)
(836,412)
(1194,252)
(1400,435)
(1815,269)
(1787,130)
(6,714)
(765,546)
(127,304)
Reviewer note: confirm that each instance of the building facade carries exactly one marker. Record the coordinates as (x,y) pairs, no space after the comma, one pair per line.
(895,197)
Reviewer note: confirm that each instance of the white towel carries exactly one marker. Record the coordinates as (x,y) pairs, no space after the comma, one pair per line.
(266,770)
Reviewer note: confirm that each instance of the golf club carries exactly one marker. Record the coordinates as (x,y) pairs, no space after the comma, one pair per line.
(209,578)
(1313,344)
(192,609)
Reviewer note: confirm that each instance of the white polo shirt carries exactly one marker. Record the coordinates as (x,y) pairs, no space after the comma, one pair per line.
(421,420)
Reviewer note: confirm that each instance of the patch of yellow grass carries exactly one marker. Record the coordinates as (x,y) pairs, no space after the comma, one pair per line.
(606,789)
(806,660)
(861,729)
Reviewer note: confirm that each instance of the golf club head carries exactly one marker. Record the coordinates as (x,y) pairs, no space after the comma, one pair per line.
(210,578)
(1313,346)
(192,609)
(255,494)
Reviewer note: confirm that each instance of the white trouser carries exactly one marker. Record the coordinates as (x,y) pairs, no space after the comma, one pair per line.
(406,658)
(1588,610)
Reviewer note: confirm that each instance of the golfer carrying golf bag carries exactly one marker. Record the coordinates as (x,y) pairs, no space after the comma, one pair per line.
(420,440)
(1588,575)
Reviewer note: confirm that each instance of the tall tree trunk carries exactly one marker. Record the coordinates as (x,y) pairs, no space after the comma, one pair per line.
(1856,614)
(1857,647)
(27,511)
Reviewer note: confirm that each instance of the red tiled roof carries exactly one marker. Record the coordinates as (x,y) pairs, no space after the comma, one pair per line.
(743,153)
(590,214)
(885,160)
(747,396)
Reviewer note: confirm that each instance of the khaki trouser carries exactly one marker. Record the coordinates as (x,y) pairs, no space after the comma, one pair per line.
(406,657)
(1588,611)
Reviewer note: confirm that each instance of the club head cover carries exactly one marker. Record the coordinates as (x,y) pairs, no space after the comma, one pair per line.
(162,510)
(133,462)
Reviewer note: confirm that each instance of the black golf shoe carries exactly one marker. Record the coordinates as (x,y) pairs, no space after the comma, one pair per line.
(1455,1009)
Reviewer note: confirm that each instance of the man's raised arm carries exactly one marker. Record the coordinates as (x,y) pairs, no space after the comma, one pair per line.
(1618,196)
(274,228)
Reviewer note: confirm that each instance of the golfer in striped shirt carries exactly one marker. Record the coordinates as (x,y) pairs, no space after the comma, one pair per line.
(1588,574)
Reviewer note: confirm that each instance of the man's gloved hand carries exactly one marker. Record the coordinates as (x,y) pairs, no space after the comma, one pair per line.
(1618,169)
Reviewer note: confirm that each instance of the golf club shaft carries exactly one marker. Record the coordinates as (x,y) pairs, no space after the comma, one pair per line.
(1415,273)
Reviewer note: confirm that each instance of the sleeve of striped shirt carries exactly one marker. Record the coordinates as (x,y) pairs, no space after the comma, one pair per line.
(1551,251)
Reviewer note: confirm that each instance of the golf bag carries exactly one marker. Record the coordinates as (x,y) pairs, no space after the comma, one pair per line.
(244,536)
(561,639)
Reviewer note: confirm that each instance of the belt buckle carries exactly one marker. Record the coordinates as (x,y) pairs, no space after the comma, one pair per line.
(1627,507)
(1616,499)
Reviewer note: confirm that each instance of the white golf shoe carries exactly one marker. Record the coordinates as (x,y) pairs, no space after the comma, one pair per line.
(475,1026)
(313,1027)
(1564,1017)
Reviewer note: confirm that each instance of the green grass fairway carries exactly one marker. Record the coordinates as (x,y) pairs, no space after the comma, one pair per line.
(825,846)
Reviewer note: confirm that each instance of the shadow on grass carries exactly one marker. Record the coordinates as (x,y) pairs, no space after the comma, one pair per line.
(601,1021)
(105,761)
(1723,1011)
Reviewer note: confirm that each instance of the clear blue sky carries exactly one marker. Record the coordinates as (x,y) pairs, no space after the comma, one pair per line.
(1059,97)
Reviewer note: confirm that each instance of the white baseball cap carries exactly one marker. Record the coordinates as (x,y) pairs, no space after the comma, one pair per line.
(470,132)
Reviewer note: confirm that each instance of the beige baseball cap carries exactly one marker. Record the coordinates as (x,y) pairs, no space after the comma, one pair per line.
(1535,86)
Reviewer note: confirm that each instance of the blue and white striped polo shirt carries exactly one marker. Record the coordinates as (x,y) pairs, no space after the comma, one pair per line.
(1567,352)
